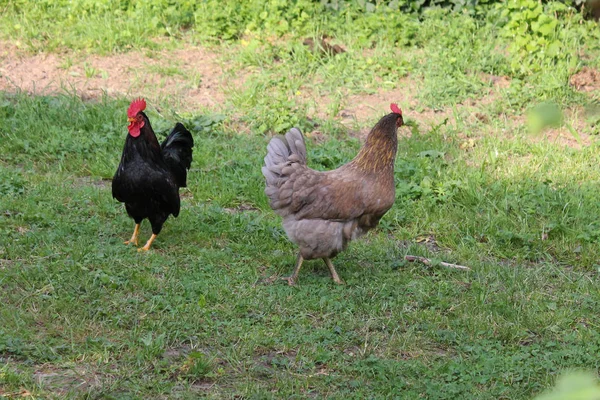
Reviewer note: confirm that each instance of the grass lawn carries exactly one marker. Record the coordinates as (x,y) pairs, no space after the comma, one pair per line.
(498,169)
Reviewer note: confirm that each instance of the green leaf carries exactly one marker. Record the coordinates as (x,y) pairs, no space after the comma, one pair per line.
(547,28)
(553,48)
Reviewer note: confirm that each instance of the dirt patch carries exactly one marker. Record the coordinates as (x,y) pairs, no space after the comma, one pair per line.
(359,112)
(193,76)
(62,381)
(241,208)
(586,80)
(429,242)
(364,106)
(265,278)
(174,353)
(102,183)
(4,263)
(194,79)
(368,107)
(564,137)
(23,393)
(322,46)
(499,81)
(576,132)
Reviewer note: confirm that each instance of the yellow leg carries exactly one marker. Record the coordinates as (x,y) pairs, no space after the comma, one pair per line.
(291,280)
(332,270)
(148,243)
(134,237)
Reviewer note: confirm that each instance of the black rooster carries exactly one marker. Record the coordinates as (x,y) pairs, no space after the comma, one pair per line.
(150,175)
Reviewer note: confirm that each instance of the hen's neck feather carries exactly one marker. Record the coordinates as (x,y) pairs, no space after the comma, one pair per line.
(379,151)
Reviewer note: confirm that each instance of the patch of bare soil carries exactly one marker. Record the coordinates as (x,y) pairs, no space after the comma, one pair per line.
(103,183)
(586,80)
(363,107)
(359,109)
(60,381)
(196,78)
(244,207)
(575,121)
(499,81)
(192,75)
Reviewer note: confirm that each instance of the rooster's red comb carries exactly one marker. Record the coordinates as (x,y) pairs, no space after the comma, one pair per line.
(135,107)
(395,109)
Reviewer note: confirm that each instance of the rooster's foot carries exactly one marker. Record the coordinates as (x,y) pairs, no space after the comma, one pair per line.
(148,243)
(134,237)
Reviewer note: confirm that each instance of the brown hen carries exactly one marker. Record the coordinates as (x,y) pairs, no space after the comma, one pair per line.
(323,211)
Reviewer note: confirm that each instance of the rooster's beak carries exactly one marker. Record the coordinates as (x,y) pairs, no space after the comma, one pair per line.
(130,119)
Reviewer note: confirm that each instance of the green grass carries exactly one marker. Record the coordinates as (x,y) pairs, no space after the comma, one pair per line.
(201,310)
(203,313)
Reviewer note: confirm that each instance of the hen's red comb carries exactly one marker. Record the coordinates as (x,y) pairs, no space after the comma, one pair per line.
(395,109)
(135,107)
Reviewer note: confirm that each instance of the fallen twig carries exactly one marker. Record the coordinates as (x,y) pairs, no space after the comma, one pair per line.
(428,261)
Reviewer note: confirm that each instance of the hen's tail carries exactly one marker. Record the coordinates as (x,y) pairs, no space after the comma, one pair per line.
(282,152)
(177,153)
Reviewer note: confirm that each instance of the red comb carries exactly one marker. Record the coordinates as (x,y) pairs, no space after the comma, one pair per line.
(135,107)
(395,109)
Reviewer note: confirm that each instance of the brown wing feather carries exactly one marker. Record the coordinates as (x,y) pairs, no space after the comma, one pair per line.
(311,194)
(342,194)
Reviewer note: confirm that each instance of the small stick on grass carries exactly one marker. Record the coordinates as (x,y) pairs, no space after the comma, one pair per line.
(428,261)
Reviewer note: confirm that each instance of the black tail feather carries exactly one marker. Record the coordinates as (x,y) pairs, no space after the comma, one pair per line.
(177,153)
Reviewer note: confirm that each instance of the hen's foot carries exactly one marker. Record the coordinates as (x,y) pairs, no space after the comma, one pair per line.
(290,280)
(334,274)
(134,237)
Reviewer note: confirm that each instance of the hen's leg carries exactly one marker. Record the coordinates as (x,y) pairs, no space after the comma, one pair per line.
(291,280)
(134,237)
(334,273)
(148,243)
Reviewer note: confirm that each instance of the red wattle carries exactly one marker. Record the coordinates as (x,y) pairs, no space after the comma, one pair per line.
(134,129)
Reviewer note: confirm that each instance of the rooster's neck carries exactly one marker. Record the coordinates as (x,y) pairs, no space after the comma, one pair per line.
(145,145)
(149,136)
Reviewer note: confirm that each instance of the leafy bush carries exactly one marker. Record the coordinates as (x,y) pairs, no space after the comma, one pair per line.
(536,33)
(392,21)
